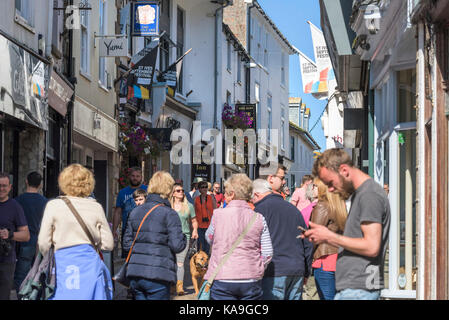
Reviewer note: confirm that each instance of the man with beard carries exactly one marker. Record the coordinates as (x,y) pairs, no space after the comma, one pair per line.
(125,203)
(359,272)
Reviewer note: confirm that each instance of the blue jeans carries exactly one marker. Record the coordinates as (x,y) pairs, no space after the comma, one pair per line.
(325,283)
(282,288)
(357,294)
(203,244)
(145,289)
(236,291)
(25,259)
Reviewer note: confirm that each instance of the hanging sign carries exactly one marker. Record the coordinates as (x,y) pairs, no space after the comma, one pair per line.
(145,19)
(114,47)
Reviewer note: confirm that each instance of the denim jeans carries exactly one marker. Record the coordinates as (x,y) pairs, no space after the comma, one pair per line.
(357,294)
(236,291)
(6,279)
(325,283)
(145,289)
(180,260)
(202,242)
(282,288)
(25,259)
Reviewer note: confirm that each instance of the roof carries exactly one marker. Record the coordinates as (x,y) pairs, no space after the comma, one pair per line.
(292,100)
(275,28)
(305,135)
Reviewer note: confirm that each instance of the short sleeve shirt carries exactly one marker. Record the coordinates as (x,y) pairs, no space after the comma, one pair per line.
(185,218)
(353,271)
(11,217)
(125,201)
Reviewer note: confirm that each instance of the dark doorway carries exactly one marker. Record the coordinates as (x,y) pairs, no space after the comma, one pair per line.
(101,182)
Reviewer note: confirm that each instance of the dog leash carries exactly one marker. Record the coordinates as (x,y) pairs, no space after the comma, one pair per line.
(228,254)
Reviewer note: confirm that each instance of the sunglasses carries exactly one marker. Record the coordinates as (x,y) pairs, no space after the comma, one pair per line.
(179,190)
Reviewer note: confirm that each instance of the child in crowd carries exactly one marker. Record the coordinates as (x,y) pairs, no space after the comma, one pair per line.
(139,196)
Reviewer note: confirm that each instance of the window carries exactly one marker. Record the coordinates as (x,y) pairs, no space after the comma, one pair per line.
(180,44)
(85,24)
(406,95)
(282,127)
(292,148)
(102,72)
(257,97)
(24,8)
(293,183)
(228,65)
(228,98)
(239,68)
(283,68)
(270,120)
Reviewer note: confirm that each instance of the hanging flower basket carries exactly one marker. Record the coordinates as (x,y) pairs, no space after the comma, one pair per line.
(235,120)
(134,141)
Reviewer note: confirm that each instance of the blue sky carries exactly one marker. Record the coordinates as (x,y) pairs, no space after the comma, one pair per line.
(291,16)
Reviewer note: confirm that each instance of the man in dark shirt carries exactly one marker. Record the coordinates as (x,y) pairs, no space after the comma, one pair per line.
(33,204)
(13,227)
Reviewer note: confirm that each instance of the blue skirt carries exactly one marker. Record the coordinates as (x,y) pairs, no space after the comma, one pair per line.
(81,275)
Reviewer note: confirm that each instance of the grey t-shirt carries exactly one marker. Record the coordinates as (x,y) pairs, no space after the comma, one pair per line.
(369,204)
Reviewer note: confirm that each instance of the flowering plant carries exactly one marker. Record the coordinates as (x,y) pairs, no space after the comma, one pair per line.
(134,140)
(235,120)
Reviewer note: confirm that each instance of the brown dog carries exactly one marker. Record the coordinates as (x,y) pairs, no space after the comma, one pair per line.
(198,268)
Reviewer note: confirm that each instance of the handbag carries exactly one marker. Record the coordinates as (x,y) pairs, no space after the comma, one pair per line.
(120,276)
(40,282)
(204,293)
(83,226)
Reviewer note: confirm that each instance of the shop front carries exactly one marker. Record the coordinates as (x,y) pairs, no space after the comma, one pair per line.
(95,145)
(23,111)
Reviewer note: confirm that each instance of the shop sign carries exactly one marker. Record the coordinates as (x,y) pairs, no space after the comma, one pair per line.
(202,171)
(145,19)
(59,93)
(115,47)
(23,84)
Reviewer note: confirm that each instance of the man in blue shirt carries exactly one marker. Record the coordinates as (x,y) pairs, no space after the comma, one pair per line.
(125,203)
(33,205)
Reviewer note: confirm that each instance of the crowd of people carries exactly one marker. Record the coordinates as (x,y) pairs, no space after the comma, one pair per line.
(334,226)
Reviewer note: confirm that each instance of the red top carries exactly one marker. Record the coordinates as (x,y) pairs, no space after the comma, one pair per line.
(203,210)
(329,262)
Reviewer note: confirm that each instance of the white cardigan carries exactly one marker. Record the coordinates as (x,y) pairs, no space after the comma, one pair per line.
(60,227)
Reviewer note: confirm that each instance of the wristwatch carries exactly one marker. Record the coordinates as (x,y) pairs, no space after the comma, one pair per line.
(11,234)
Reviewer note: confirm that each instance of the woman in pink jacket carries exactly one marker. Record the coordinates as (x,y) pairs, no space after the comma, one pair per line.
(240,278)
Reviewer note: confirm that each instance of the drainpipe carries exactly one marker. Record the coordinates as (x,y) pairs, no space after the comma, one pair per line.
(49,30)
(248,77)
(217,29)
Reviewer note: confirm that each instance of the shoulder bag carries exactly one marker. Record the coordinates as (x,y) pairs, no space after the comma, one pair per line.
(204,293)
(120,276)
(83,226)
(40,282)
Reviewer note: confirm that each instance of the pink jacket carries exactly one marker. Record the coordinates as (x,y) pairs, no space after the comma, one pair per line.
(245,262)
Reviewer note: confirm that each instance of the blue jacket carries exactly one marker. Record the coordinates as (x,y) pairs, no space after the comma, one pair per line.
(292,256)
(159,239)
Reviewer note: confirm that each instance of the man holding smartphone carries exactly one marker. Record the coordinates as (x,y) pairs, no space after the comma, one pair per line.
(360,266)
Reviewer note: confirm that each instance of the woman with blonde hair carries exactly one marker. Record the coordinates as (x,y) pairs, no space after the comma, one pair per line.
(152,265)
(187,216)
(240,277)
(329,211)
(80,272)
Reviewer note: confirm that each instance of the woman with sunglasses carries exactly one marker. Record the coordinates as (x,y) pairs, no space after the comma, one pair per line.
(187,215)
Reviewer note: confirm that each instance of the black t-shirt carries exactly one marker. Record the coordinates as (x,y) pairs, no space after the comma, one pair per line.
(11,217)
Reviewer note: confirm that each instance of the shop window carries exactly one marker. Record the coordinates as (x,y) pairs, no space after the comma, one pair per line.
(406,82)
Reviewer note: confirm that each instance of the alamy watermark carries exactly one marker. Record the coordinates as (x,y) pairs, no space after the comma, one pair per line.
(212,152)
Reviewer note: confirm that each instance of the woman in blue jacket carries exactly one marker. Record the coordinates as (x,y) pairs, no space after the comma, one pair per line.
(152,265)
